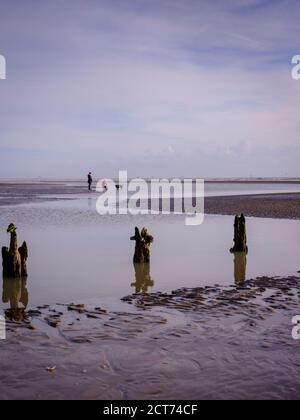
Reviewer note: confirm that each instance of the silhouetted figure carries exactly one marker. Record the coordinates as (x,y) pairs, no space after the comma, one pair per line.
(90,180)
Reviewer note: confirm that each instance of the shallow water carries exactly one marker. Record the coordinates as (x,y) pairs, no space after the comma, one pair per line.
(128,352)
(75,254)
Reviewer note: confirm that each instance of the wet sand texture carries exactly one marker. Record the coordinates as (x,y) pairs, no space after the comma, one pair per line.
(279,206)
(200,343)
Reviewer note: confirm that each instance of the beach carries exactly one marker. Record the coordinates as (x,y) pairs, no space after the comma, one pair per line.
(279,206)
(199,323)
(284,205)
(149,202)
(222,344)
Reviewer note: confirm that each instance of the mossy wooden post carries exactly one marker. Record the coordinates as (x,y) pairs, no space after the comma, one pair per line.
(143,242)
(14,259)
(240,236)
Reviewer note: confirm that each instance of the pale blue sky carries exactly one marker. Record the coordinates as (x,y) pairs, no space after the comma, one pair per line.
(157,87)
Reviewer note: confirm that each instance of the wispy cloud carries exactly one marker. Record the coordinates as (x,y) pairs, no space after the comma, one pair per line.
(179,84)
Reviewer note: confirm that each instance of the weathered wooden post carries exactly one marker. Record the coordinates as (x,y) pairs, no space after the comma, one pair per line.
(14,258)
(240,236)
(143,242)
(23,250)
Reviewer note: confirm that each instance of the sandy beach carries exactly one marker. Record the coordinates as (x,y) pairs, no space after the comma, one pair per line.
(14,193)
(215,330)
(273,205)
(280,206)
(149,202)
(204,343)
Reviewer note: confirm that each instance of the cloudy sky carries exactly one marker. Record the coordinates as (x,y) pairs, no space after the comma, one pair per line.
(157,87)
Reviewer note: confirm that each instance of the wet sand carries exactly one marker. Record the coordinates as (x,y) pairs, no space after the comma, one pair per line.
(276,206)
(201,343)
(272,205)
(209,342)
(12,193)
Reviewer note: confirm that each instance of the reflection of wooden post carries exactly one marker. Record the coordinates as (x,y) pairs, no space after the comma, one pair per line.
(15,293)
(14,259)
(143,242)
(143,278)
(240,265)
(240,237)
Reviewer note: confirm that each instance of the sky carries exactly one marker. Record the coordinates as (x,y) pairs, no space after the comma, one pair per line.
(160,88)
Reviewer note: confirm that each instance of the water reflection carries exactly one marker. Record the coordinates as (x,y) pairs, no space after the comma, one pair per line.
(240,267)
(143,278)
(16,294)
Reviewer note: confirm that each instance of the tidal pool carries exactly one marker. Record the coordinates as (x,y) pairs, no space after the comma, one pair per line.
(76,254)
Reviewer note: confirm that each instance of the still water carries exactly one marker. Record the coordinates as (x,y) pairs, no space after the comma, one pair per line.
(75,254)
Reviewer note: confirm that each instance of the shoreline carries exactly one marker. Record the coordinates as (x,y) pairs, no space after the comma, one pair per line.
(16,181)
(277,205)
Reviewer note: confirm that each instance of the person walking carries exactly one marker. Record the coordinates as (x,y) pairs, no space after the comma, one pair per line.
(90,180)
